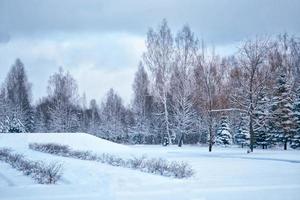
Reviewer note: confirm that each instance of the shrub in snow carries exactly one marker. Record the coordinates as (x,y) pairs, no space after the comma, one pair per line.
(154,165)
(137,162)
(41,172)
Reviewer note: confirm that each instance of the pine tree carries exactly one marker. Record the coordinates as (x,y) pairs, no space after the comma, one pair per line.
(242,136)
(16,126)
(282,118)
(296,139)
(260,123)
(18,95)
(224,136)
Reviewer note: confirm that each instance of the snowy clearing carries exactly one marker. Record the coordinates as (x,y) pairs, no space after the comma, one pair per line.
(226,173)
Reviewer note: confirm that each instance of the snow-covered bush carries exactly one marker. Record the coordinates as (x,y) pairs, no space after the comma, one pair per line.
(50,148)
(41,172)
(137,162)
(152,165)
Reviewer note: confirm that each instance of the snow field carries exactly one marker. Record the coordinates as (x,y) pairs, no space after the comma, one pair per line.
(226,173)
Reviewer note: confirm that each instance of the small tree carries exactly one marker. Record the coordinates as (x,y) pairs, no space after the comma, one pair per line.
(224,136)
(242,136)
(260,123)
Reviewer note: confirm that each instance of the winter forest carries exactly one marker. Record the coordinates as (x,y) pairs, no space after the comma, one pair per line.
(183,93)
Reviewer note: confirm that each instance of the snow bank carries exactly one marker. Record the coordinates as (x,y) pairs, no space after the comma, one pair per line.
(79,141)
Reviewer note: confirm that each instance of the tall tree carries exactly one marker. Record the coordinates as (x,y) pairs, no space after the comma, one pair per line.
(18,95)
(282,116)
(113,117)
(253,75)
(140,101)
(208,80)
(296,109)
(159,58)
(186,46)
(63,95)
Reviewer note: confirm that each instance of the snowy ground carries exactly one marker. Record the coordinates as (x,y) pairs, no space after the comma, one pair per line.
(226,173)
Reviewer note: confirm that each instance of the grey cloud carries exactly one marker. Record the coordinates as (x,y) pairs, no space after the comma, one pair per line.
(219,21)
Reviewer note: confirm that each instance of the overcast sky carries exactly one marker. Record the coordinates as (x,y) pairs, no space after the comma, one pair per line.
(101,42)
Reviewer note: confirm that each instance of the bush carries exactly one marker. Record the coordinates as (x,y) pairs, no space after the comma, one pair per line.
(41,172)
(154,165)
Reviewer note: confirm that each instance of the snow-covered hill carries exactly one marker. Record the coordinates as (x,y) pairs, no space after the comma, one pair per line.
(226,173)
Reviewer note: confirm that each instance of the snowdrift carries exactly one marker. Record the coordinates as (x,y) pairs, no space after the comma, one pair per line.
(79,141)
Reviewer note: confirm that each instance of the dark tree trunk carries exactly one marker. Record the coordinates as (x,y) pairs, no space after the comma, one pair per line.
(285,145)
(180,142)
(251,133)
(210,137)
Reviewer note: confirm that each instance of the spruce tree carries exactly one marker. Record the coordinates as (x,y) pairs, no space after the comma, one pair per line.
(296,139)
(282,119)
(242,136)
(260,125)
(223,133)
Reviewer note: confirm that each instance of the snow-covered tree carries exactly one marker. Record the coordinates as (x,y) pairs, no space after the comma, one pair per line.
(242,135)
(5,125)
(181,85)
(281,116)
(140,104)
(18,95)
(16,126)
(296,109)
(159,59)
(260,122)
(224,136)
(63,97)
(113,115)
(252,74)
(93,114)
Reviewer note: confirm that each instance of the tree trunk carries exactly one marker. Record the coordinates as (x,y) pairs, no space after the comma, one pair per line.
(251,133)
(210,137)
(180,142)
(285,145)
(167,119)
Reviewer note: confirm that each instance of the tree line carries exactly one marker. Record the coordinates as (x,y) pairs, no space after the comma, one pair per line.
(183,93)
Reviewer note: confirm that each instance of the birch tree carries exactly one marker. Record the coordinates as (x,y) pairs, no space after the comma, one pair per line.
(208,77)
(186,46)
(159,58)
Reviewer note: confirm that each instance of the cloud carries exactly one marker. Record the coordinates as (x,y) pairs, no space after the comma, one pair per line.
(217,21)
(97,61)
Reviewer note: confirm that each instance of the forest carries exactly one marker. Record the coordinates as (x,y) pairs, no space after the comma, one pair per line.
(183,93)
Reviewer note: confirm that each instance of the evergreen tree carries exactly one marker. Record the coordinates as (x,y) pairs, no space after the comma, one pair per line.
(224,136)
(139,105)
(18,95)
(282,118)
(296,139)
(260,123)
(242,136)
(16,126)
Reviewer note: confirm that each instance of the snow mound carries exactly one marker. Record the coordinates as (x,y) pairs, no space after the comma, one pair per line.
(78,141)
